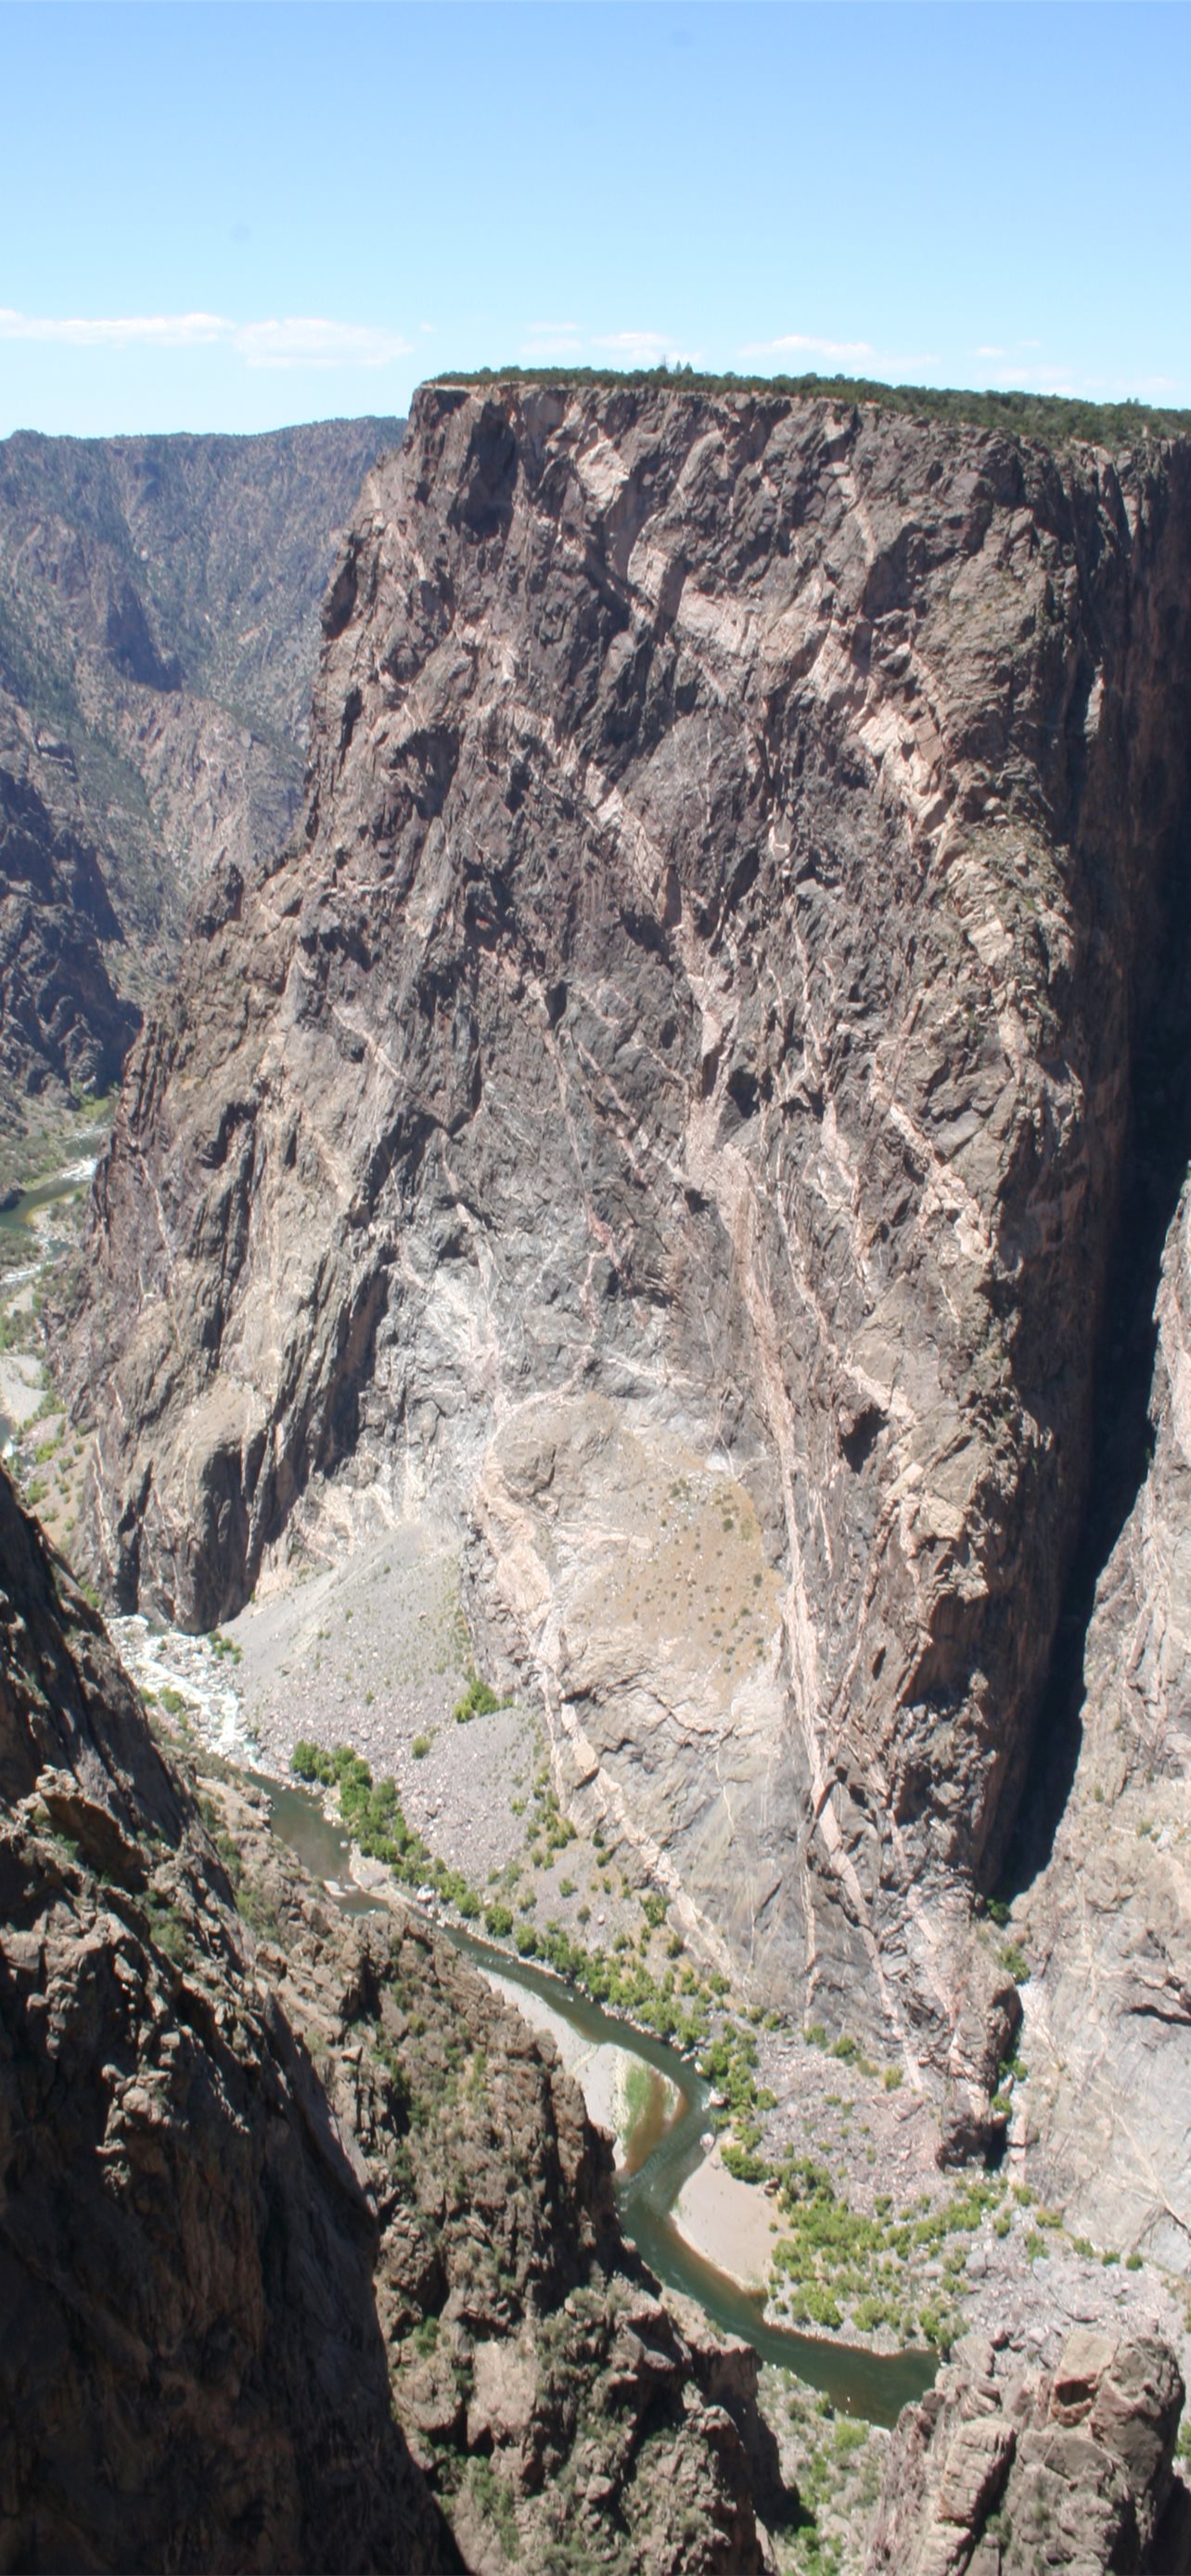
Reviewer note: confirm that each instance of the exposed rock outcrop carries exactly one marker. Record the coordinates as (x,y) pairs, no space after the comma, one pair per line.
(298,2221)
(671,1111)
(1002,2470)
(158,628)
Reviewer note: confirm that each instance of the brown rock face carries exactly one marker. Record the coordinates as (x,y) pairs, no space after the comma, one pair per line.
(295,2220)
(1001,2471)
(670,1113)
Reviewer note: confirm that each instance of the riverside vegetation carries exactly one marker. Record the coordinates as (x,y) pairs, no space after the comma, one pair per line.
(314,2177)
(834,2268)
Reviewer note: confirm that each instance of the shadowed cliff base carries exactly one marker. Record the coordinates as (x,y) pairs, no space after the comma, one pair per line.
(1156,1162)
(1123,1435)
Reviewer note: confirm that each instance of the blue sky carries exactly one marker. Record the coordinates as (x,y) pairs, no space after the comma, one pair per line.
(229,217)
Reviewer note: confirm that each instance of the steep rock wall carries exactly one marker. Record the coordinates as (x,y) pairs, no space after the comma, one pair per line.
(1004,2468)
(297,2218)
(1108,1917)
(62,1020)
(159,606)
(671,1111)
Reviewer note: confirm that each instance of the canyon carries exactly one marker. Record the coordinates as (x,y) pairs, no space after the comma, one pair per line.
(648,1215)
(158,624)
(669,1116)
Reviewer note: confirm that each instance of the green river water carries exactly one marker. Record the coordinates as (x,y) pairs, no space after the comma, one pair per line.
(16,1222)
(663,2149)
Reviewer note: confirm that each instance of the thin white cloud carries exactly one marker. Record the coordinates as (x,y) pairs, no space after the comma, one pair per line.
(547,340)
(162,330)
(805,344)
(294,341)
(562,341)
(1015,371)
(313,343)
(647,347)
(1017,354)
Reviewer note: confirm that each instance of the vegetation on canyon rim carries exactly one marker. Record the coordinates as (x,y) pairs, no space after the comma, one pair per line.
(1057,420)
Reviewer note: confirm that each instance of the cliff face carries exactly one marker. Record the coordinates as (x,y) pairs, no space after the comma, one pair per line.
(1004,2469)
(670,1112)
(297,2218)
(1109,1916)
(62,1021)
(158,626)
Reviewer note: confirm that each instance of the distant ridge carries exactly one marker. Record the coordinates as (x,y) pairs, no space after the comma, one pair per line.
(159,627)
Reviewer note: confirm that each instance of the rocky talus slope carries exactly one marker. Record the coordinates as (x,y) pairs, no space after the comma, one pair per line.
(1003,2470)
(158,629)
(671,1111)
(307,2247)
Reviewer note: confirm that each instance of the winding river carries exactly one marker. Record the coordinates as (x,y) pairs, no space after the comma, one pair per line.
(663,2149)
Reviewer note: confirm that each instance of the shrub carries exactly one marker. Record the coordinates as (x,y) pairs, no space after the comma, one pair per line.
(420,1747)
(745,2166)
(1014,1958)
(166,1929)
(478,1700)
(372,1814)
(498,1921)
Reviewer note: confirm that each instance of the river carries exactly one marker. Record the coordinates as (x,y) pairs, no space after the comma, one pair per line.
(662,2149)
(19,1228)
